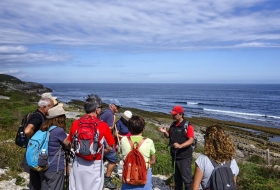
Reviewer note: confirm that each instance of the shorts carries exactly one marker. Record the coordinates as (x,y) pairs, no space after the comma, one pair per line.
(111,156)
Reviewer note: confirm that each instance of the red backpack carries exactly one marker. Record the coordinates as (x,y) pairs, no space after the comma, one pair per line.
(134,169)
(86,143)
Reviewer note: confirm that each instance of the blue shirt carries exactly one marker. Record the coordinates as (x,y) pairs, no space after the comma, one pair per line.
(122,128)
(108,117)
(57,136)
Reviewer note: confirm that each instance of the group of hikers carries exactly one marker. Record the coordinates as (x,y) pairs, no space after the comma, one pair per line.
(98,136)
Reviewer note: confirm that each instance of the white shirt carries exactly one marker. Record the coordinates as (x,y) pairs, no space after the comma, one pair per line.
(206,166)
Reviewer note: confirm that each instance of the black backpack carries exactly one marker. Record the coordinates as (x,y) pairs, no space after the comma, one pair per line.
(221,178)
(21,140)
(186,130)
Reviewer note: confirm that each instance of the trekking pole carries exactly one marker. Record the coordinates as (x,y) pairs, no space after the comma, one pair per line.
(66,180)
(68,156)
(117,134)
(175,157)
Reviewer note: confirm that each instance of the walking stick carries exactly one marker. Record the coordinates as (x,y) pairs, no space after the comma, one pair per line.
(119,147)
(174,167)
(117,134)
(68,156)
(67,160)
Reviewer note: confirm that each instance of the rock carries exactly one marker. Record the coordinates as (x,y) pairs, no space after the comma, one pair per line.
(4,97)
(239,154)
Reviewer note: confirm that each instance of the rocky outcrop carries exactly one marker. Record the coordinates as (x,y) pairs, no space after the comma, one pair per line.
(12,83)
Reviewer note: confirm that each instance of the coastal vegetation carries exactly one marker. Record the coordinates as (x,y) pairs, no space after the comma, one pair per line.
(254,172)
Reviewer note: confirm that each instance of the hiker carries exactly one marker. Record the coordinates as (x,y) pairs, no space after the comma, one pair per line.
(34,124)
(121,126)
(180,141)
(89,174)
(217,147)
(53,178)
(54,99)
(109,117)
(136,127)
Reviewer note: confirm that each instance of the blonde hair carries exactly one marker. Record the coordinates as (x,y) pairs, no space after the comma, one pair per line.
(59,121)
(218,145)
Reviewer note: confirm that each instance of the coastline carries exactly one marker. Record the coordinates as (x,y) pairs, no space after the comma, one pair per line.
(249,139)
(251,147)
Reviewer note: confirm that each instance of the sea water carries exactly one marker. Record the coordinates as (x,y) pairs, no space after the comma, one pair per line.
(247,103)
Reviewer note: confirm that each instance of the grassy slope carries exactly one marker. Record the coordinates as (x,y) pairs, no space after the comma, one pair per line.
(11,111)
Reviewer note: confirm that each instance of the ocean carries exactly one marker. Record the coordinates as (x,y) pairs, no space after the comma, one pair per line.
(247,103)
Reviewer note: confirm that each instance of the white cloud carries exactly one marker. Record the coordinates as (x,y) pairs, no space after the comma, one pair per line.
(12,49)
(32,59)
(257,44)
(142,24)
(9,72)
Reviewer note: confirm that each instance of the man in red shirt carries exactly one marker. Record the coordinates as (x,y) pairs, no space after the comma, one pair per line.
(181,138)
(87,174)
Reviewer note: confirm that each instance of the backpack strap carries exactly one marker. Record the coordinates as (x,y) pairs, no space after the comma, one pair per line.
(141,142)
(138,144)
(186,125)
(51,128)
(29,117)
(215,164)
(58,152)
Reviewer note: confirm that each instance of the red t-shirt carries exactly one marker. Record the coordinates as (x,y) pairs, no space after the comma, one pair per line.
(190,131)
(102,127)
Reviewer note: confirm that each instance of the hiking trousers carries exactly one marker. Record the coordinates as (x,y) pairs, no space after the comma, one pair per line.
(183,174)
(86,175)
(147,186)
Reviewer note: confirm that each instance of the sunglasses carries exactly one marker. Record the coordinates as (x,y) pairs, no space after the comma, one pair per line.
(100,107)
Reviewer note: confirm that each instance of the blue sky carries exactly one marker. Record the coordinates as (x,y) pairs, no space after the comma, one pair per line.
(145,41)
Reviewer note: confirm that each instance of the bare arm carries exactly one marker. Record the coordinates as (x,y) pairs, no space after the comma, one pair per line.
(153,159)
(234,178)
(114,122)
(107,149)
(67,143)
(29,130)
(198,174)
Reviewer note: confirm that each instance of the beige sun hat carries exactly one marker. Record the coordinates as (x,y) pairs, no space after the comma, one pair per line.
(49,95)
(55,112)
(126,115)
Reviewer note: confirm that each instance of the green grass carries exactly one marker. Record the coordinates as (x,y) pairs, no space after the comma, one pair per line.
(253,175)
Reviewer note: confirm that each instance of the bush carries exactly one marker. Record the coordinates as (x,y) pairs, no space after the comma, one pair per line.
(256,159)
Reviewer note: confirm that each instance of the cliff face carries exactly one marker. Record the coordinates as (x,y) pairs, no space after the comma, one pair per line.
(12,83)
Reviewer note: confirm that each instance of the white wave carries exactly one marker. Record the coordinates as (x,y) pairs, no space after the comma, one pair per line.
(234,113)
(143,103)
(192,103)
(272,116)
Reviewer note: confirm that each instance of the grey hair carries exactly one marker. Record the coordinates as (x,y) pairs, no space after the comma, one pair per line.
(92,102)
(44,102)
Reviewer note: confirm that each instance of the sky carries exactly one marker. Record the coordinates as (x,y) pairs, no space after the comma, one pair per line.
(141,41)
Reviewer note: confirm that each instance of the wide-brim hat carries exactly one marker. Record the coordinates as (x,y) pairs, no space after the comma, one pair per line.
(55,112)
(49,95)
(126,115)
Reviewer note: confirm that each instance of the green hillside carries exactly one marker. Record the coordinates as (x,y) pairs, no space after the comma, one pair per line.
(10,79)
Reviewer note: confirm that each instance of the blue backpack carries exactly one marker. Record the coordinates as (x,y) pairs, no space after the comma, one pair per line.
(34,157)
